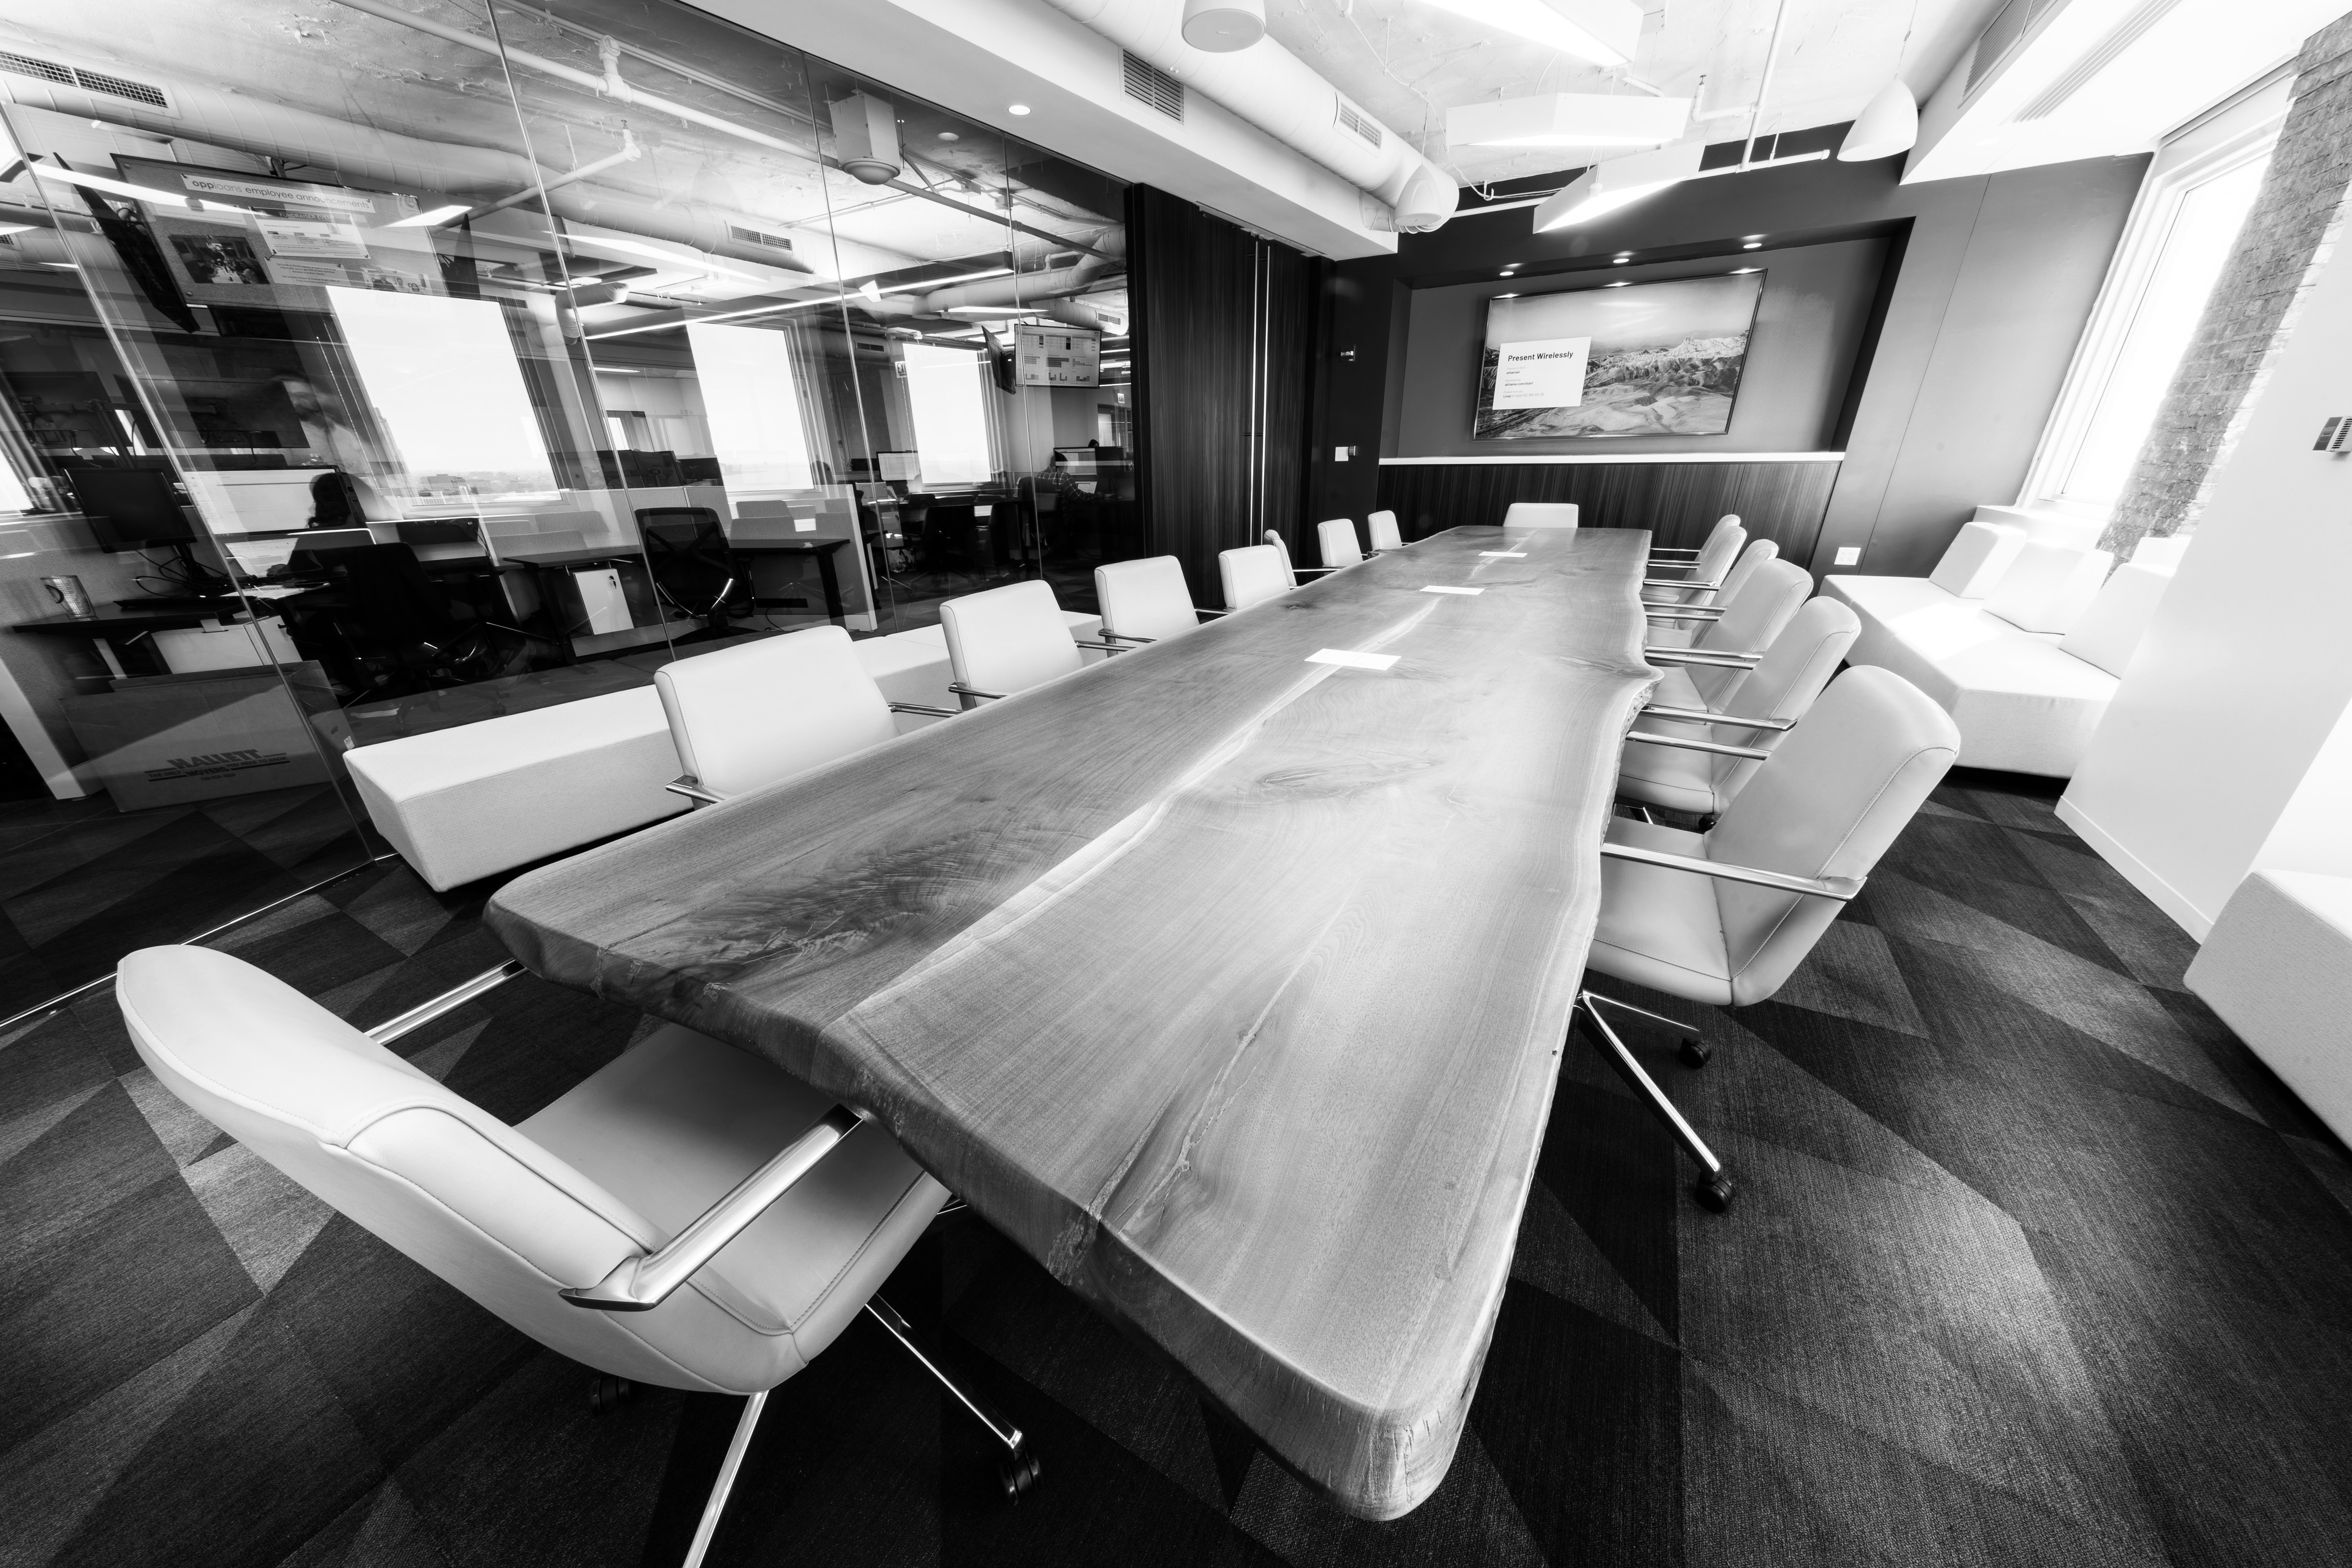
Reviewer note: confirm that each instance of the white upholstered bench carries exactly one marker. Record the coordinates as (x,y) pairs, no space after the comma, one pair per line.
(2277,967)
(476,799)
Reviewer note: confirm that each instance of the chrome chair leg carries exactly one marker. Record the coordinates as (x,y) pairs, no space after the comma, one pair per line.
(726,1483)
(1713,1189)
(1018,1471)
(1693,1050)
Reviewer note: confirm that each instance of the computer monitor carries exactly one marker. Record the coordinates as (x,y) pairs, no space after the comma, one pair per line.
(132,507)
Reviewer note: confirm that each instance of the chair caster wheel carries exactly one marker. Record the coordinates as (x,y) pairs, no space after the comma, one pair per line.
(1694,1052)
(1714,1194)
(1018,1476)
(606,1392)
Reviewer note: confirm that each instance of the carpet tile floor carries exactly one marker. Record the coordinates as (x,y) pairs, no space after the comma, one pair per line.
(2032,1263)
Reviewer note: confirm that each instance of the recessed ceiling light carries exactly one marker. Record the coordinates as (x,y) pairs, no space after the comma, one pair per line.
(1737,270)
(950,136)
(1620,262)
(1506,296)
(1753,244)
(1016,109)
(1751,236)
(1621,283)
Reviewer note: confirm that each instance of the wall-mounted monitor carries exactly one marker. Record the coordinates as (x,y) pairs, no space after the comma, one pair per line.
(1055,356)
(1633,359)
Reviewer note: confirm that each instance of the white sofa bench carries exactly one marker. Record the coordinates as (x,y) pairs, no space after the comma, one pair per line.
(476,799)
(2277,967)
(2023,641)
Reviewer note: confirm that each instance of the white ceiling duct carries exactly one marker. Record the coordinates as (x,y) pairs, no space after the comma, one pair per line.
(1273,89)
(1028,288)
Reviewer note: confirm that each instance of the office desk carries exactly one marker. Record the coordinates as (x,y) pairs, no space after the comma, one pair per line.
(828,570)
(112,630)
(1229,985)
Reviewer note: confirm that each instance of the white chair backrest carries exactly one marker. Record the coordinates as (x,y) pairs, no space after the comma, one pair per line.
(747,717)
(2049,586)
(1979,556)
(1771,596)
(1721,549)
(1337,537)
(1540,514)
(1008,639)
(1831,800)
(1281,547)
(1784,684)
(1146,599)
(1252,575)
(2109,631)
(1758,552)
(491,1211)
(1383,527)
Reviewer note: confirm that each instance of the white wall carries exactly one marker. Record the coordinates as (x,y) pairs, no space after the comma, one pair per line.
(2226,749)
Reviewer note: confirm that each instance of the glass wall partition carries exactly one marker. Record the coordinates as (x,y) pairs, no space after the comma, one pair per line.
(391,368)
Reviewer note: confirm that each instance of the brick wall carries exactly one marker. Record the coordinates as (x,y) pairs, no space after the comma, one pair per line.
(2294,224)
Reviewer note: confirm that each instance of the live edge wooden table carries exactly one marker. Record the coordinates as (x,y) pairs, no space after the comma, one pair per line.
(1230,986)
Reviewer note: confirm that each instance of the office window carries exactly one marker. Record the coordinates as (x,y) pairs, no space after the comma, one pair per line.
(441,376)
(2181,232)
(750,388)
(947,402)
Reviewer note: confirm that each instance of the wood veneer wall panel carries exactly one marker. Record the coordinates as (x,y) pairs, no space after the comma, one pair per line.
(1222,325)
(1677,501)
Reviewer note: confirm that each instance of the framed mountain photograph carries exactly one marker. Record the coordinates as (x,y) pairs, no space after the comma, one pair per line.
(1635,359)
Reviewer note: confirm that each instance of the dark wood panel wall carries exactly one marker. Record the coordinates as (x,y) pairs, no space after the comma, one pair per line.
(1677,501)
(1225,333)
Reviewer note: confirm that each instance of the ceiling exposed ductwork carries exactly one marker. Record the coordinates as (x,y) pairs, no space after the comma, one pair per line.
(1273,89)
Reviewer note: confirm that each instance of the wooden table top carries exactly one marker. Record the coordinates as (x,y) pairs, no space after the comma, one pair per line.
(1230,986)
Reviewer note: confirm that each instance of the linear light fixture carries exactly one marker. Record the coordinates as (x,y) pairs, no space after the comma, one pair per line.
(112,187)
(1569,119)
(1601,31)
(655,252)
(1594,193)
(866,291)
(432,216)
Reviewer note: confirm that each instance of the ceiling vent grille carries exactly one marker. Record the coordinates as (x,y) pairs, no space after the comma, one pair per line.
(755,236)
(1147,83)
(2098,58)
(1355,121)
(64,75)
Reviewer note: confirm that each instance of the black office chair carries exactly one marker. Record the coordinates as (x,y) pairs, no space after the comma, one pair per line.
(693,570)
(398,629)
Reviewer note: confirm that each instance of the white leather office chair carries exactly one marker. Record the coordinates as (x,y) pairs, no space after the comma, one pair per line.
(1708,570)
(1281,547)
(1252,575)
(1696,761)
(1336,538)
(1007,640)
(1539,514)
(690,1216)
(1382,528)
(1147,601)
(1664,554)
(1710,670)
(1725,917)
(1680,632)
(747,717)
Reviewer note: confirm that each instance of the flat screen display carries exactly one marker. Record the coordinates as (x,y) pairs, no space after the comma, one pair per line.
(1640,359)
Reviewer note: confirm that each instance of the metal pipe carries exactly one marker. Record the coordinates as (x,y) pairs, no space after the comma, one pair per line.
(1716,748)
(1841,889)
(449,1001)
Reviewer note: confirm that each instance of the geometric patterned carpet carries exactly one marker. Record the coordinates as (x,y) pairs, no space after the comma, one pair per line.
(2031,1263)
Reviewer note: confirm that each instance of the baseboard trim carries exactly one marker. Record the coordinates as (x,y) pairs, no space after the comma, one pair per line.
(2137,872)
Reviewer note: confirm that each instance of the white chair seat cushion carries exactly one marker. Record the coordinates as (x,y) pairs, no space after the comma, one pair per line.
(2108,633)
(2277,967)
(480,798)
(2023,704)
(673,1125)
(1660,928)
(2049,586)
(1670,776)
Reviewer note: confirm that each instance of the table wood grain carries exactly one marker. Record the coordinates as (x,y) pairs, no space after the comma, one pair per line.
(1230,986)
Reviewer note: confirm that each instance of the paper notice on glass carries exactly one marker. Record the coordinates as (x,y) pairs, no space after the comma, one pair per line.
(323,274)
(1546,373)
(297,236)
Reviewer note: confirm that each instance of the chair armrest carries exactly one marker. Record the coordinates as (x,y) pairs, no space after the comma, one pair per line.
(1709,716)
(1698,587)
(640,1283)
(1702,656)
(1122,636)
(960,690)
(1683,613)
(685,784)
(925,707)
(1717,747)
(1839,887)
(1316,570)
(1658,550)
(1204,610)
(1108,646)
(424,1013)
